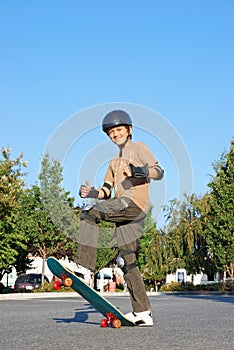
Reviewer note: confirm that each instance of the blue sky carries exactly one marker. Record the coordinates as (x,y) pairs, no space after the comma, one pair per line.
(60,59)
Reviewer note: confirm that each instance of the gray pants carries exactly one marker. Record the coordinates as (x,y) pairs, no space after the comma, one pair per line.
(128,218)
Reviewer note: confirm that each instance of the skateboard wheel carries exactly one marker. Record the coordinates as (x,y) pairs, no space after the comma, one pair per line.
(104,323)
(117,323)
(57,285)
(67,282)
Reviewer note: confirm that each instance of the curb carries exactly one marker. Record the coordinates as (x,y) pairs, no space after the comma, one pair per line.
(51,295)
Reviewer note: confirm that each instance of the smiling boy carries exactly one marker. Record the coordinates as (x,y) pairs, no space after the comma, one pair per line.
(129,175)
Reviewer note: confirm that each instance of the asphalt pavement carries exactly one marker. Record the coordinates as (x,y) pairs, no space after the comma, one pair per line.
(60,321)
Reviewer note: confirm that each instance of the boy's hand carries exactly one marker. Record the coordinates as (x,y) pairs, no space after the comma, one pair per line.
(127,171)
(85,189)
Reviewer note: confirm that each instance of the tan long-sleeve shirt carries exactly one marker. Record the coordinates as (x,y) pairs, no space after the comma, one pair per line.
(135,189)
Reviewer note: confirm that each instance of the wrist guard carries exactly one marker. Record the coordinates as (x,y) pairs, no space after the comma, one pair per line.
(93,193)
(106,189)
(139,172)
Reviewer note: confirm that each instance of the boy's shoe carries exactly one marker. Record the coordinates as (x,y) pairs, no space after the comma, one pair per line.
(143,319)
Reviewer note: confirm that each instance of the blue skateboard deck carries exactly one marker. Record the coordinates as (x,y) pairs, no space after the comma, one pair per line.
(88,293)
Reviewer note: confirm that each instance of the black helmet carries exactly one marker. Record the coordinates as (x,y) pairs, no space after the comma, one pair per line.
(116,118)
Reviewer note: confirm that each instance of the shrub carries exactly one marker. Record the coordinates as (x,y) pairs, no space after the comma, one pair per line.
(49,287)
(172,287)
(188,286)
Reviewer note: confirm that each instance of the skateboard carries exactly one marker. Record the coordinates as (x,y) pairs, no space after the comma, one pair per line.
(113,317)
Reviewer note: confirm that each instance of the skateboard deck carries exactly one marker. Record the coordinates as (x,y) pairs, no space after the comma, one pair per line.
(100,303)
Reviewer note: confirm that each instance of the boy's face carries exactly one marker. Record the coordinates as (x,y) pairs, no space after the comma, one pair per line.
(119,134)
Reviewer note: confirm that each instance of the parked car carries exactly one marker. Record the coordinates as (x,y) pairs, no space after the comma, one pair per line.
(29,281)
(1,287)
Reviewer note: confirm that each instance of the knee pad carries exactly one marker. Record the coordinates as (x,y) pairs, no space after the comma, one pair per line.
(121,263)
(85,216)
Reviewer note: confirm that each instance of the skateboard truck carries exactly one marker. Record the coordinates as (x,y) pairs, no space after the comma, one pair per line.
(111,320)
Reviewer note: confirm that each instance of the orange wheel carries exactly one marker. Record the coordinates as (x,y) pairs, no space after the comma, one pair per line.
(68,282)
(117,323)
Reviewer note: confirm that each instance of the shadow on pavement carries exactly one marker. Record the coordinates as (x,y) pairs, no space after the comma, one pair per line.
(81,316)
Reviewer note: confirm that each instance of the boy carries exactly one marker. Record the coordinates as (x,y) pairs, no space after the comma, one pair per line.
(129,174)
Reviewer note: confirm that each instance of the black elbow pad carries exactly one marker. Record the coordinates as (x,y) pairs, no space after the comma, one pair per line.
(160,172)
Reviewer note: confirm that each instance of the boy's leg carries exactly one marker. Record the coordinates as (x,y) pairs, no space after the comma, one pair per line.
(121,211)
(113,210)
(132,275)
(136,287)
(87,241)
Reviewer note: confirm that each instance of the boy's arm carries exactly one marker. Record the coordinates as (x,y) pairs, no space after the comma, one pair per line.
(86,191)
(155,172)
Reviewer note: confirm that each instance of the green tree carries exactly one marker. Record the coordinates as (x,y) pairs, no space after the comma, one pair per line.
(156,268)
(201,259)
(54,220)
(43,237)
(187,245)
(13,241)
(178,238)
(220,226)
(152,253)
(57,202)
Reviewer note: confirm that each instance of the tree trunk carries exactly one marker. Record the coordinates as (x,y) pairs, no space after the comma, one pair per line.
(43,269)
(230,270)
